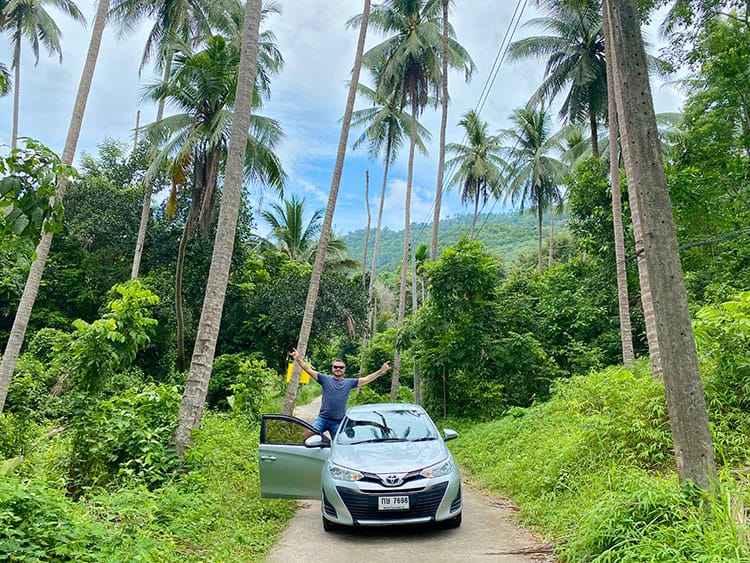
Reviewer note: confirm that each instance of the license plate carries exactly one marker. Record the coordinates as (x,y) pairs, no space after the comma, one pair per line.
(393,503)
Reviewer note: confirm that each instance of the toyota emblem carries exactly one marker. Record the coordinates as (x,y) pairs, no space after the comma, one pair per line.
(392,480)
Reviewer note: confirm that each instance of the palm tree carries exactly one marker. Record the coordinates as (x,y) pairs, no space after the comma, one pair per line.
(413,69)
(299,241)
(444,57)
(576,60)
(196,386)
(623,303)
(172,18)
(30,290)
(533,172)
(385,124)
(203,86)
(683,386)
(325,231)
(30,19)
(478,163)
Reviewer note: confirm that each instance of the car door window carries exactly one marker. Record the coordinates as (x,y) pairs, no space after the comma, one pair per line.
(283,431)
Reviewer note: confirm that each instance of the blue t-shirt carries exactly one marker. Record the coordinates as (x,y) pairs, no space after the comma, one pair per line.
(335,395)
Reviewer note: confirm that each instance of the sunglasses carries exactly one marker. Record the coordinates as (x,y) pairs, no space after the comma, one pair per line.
(338,367)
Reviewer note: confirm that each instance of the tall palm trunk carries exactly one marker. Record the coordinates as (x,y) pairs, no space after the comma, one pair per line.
(30,290)
(367,230)
(373,316)
(147,188)
(374,268)
(476,212)
(365,338)
(626,332)
(187,233)
(325,232)
(196,386)
(661,256)
(539,212)
(405,255)
(16,87)
(551,233)
(443,124)
(594,135)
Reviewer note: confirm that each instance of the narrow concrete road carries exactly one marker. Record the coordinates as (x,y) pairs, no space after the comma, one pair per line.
(486,534)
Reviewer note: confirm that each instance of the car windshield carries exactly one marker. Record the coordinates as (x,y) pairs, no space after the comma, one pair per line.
(386,426)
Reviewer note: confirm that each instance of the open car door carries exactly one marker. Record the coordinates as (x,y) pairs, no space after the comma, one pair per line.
(288,468)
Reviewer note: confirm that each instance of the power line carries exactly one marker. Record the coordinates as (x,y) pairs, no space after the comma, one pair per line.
(486,89)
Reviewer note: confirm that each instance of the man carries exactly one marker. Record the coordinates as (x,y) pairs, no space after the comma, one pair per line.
(336,391)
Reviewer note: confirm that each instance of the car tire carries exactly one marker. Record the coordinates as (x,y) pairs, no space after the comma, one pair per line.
(454,522)
(329,526)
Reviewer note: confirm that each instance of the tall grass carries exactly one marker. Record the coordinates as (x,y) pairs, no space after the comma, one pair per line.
(213,512)
(593,470)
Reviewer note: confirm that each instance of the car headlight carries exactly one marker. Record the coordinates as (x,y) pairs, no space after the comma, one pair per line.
(438,470)
(343,474)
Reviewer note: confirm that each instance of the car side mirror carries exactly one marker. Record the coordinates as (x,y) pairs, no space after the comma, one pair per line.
(449,434)
(317,441)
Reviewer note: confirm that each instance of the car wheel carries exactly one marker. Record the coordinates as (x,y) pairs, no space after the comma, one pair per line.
(329,526)
(454,522)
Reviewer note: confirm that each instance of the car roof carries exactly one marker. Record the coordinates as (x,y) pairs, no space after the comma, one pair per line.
(382,407)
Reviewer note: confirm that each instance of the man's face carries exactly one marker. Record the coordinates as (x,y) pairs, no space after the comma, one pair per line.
(338,369)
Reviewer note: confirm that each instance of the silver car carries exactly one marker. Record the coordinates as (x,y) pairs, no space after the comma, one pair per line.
(387,465)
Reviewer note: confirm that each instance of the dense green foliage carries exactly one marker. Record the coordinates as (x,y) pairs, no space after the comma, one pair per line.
(214,513)
(28,183)
(592,470)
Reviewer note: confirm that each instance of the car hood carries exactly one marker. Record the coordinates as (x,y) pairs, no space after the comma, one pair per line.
(389,457)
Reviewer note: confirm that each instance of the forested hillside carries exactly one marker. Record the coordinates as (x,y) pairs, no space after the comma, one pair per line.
(507,235)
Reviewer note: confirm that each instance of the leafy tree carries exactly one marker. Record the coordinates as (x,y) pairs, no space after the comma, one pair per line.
(708,172)
(467,350)
(27,191)
(203,85)
(109,344)
(299,241)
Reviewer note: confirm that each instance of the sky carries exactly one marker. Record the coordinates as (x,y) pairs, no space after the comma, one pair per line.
(308,99)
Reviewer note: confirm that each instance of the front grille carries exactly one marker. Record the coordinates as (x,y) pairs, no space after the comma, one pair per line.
(364,506)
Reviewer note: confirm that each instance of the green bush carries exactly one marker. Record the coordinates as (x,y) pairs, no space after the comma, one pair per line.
(253,384)
(722,333)
(128,435)
(38,523)
(14,436)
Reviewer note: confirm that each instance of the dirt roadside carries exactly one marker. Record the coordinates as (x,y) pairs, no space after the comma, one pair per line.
(486,534)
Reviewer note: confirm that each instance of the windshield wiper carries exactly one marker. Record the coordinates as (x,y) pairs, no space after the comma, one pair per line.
(425,439)
(375,440)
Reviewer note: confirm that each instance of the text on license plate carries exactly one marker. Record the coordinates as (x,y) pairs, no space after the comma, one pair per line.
(393,503)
